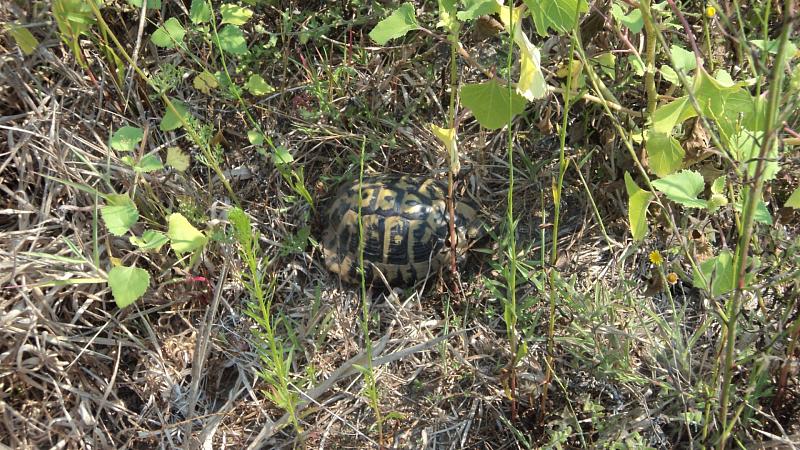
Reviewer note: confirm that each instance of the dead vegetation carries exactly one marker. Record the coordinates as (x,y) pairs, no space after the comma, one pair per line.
(180,367)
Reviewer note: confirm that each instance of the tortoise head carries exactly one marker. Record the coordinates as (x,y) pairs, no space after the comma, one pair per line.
(468,224)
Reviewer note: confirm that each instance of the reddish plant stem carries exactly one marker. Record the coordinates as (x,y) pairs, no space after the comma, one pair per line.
(697,53)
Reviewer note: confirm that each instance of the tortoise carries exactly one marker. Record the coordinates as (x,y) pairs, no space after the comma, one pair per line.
(406,229)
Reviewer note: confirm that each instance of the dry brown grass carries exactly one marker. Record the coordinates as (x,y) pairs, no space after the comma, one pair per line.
(77,371)
(179,368)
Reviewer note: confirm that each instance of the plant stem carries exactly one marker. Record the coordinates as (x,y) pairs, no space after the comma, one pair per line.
(650,56)
(752,196)
(707,37)
(556,191)
(452,157)
(688,30)
(511,279)
(369,370)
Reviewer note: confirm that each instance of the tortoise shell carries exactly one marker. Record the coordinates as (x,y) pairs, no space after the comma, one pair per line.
(405,225)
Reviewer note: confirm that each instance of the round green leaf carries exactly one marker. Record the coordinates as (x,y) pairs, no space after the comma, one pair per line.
(282,157)
(477,8)
(683,187)
(231,40)
(183,236)
(170,34)
(177,159)
(200,11)
(560,15)
(633,20)
(255,137)
(235,14)
(490,102)
(172,119)
(205,81)
(257,86)
(26,41)
(400,22)
(794,200)
(127,284)
(120,214)
(684,59)
(149,163)
(664,153)
(720,271)
(126,138)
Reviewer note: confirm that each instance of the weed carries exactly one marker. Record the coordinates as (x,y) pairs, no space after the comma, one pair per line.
(637,287)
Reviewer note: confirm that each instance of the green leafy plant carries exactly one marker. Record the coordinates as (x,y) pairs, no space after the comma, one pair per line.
(74,18)
(120,215)
(235,14)
(492,104)
(741,125)
(127,284)
(276,354)
(169,35)
(283,162)
(257,86)
(649,96)
(25,40)
(401,21)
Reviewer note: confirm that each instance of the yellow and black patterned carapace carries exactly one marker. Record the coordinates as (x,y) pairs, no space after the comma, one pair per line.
(406,229)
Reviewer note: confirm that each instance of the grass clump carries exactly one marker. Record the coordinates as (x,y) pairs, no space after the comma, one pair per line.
(163,167)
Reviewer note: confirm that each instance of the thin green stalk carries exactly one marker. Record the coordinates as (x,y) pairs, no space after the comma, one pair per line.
(707,37)
(556,191)
(369,371)
(452,158)
(276,361)
(611,242)
(562,164)
(708,395)
(742,44)
(511,276)
(752,195)
(765,28)
(650,57)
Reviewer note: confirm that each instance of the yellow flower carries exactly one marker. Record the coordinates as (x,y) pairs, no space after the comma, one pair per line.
(656,258)
(711,11)
(672,278)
